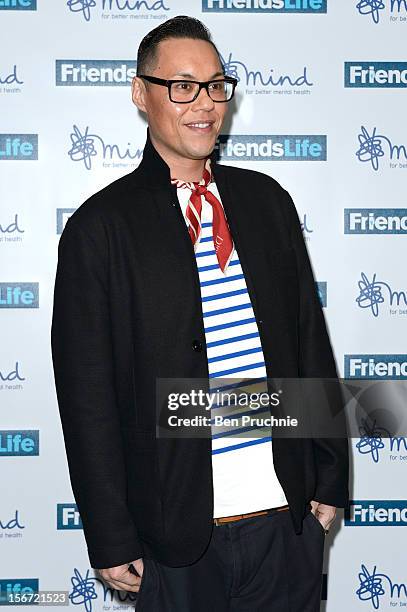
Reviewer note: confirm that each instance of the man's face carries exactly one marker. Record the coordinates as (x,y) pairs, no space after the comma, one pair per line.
(172,125)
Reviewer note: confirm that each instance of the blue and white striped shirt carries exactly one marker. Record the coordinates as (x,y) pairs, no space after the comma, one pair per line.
(244,479)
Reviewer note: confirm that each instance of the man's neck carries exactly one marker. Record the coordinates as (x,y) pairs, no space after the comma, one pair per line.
(183,169)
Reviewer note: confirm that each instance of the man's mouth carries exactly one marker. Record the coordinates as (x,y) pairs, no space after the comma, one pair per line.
(202,127)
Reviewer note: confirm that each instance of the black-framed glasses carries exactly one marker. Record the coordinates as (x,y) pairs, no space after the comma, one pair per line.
(182,92)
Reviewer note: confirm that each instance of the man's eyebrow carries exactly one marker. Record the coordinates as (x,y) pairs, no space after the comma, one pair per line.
(191,76)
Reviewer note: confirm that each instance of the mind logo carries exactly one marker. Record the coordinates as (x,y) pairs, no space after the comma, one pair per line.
(375,146)
(373,293)
(86,146)
(249,77)
(86,7)
(375,8)
(374,586)
(84,592)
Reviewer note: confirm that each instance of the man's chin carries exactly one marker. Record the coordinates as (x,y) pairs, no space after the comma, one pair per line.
(199,152)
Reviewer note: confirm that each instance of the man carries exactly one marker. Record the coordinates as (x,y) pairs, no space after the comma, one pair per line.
(186,268)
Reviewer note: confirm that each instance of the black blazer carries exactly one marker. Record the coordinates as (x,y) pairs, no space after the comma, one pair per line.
(127,309)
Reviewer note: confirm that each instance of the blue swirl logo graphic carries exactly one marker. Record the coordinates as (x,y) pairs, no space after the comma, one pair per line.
(371,441)
(371,7)
(86,146)
(84,6)
(372,587)
(83,590)
(371,148)
(241,72)
(371,294)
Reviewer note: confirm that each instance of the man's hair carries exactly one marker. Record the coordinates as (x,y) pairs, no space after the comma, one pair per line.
(180,26)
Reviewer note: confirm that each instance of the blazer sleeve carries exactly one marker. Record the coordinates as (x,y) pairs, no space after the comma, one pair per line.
(83,371)
(316,360)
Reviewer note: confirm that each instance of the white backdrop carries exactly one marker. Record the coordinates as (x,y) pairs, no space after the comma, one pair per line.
(65,69)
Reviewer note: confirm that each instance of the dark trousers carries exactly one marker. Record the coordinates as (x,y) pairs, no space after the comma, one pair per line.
(255,564)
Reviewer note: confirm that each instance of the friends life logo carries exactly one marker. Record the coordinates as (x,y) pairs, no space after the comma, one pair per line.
(93,73)
(258,82)
(119,10)
(19,295)
(68,517)
(19,443)
(264,6)
(271,147)
(18,5)
(394,10)
(10,80)
(87,146)
(13,590)
(375,221)
(375,366)
(18,147)
(63,215)
(377,75)
(11,528)
(10,380)
(10,231)
(378,589)
(376,513)
(88,590)
(374,147)
(375,294)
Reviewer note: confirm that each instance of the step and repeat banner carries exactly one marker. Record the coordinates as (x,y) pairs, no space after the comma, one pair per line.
(320,106)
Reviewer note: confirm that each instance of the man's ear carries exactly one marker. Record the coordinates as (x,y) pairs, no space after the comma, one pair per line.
(138,92)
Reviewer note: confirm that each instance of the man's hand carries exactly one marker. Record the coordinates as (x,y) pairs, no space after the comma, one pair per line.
(324,513)
(121,578)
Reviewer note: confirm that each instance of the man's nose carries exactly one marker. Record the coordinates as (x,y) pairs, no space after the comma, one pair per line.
(203,100)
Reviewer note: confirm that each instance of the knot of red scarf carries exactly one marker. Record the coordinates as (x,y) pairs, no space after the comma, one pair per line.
(222,239)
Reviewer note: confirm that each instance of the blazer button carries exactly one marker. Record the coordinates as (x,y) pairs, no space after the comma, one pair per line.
(197,345)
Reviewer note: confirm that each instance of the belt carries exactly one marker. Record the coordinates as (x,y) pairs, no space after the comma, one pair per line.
(238,517)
